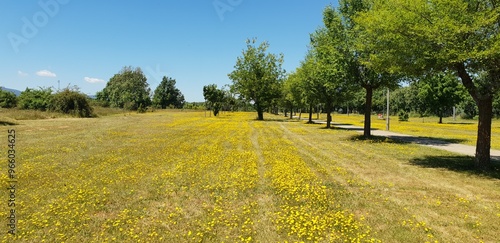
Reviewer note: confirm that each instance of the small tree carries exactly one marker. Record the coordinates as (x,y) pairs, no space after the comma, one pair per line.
(440,93)
(7,99)
(215,98)
(167,95)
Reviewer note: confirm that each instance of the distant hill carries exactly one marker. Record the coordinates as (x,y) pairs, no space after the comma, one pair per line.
(15,91)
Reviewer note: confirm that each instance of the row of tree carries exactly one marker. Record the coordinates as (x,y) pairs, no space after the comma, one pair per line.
(129,89)
(372,44)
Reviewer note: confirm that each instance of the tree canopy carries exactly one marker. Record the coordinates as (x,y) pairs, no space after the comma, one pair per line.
(167,95)
(127,89)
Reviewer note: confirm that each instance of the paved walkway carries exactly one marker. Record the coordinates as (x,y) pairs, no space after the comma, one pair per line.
(433,143)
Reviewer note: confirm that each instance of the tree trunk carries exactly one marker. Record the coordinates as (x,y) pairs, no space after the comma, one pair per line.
(310,114)
(440,118)
(485,105)
(300,114)
(260,113)
(328,109)
(483,144)
(368,111)
(291,113)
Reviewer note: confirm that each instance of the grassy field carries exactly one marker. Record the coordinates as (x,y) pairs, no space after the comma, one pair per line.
(458,131)
(184,177)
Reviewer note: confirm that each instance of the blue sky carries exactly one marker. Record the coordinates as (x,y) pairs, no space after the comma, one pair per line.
(84,43)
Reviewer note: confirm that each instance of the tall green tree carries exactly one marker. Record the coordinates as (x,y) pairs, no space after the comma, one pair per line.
(440,93)
(214,98)
(166,94)
(362,75)
(258,76)
(423,36)
(127,89)
(331,63)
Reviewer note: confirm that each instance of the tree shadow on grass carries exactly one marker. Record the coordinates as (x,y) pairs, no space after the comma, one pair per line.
(461,164)
(334,127)
(409,139)
(460,123)
(427,140)
(375,139)
(7,123)
(276,120)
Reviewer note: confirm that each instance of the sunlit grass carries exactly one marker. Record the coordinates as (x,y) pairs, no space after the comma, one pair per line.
(183,177)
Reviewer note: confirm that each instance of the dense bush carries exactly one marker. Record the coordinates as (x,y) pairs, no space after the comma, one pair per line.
(403,115)
(71,102)
(35,99)
(7,99)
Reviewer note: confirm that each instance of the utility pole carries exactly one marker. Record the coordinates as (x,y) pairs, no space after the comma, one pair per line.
(387,118)
(58,85)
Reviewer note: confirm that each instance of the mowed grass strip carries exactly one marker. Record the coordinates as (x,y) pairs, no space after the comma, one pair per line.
(184,177)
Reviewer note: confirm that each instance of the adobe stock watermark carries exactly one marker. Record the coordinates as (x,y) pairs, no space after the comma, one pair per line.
(155,74)
(224,6)
(31,26)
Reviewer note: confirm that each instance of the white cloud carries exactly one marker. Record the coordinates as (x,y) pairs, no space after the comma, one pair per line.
(46,73)
(22,74)
(93,80)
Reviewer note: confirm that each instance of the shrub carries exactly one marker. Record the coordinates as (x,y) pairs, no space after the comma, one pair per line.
(141,109)
(403,115)
(7,99)
(35,99)
(71,102)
